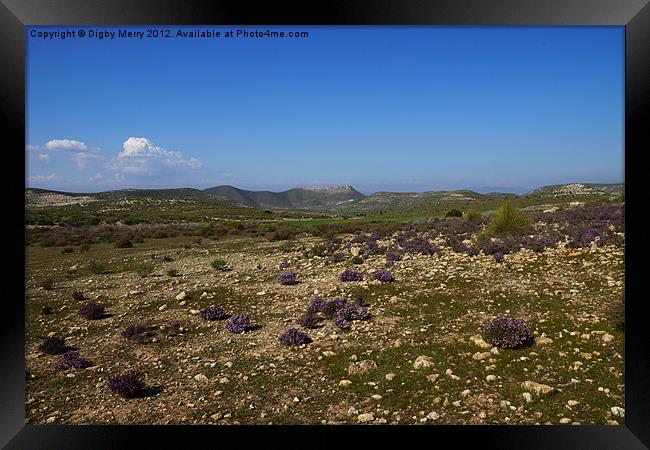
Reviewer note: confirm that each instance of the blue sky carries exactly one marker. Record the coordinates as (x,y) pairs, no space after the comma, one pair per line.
(380,108)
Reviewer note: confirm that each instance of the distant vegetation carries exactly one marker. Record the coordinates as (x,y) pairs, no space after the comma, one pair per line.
(508,220)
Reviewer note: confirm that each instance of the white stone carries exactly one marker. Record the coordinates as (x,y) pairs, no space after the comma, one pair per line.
(618,411)
(365,417)
(607,337)
(423,361)
(201,378)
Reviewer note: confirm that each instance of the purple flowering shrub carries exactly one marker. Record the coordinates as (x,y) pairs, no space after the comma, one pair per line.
(337,257)
(172,328)
(293,336)
(309,320)
(420,245)
(343,316)
(53,345)
(339,309)
(92,311)
(284,264)
(503,246)
(498,257)
(358,239)
(214,313)
(384,276)
(583,237)
(78,295)
(332,245)
(358,259)
(239,323)
(341,321)
(392,255)
(457,245)
(71,359)
(316,305)
(350,275)
(287,278)
(508,332)
(139,333)
(472,250)
(611,239)
(331,306)
(370,248)
(129,385)
(539,243)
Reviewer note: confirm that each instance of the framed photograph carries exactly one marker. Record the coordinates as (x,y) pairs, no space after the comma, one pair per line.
(353,219)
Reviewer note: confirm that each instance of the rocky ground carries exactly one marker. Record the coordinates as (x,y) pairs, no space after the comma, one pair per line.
(418,359)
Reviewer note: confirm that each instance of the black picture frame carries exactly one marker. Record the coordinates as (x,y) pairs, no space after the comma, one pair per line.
(633,14)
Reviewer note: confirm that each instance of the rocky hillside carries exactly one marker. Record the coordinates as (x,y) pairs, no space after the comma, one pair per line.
(41,198)
(315,199)
(578,190)
(394,201)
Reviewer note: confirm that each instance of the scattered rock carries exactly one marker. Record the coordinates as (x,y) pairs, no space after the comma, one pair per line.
(423,361)
(479,341)
(607,337)
(481,355)
(201,378)
(361,367)
(432,377)
(618,411)
(181,296)
(365,417)
(537,388)
(543,340)
(345,383)
(390,376)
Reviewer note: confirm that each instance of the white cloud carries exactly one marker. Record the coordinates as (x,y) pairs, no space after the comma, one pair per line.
(44,157)
(101,178)
(31,148)
(82,159)
(140,155)
(38,178)
(66,144)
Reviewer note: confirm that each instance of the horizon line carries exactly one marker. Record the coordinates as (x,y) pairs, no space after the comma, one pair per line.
(471,188)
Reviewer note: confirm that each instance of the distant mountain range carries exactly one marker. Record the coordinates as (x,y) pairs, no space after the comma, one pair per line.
(308,199)
(343,199)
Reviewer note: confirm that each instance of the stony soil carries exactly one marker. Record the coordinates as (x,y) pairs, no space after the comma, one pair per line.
(419,359)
